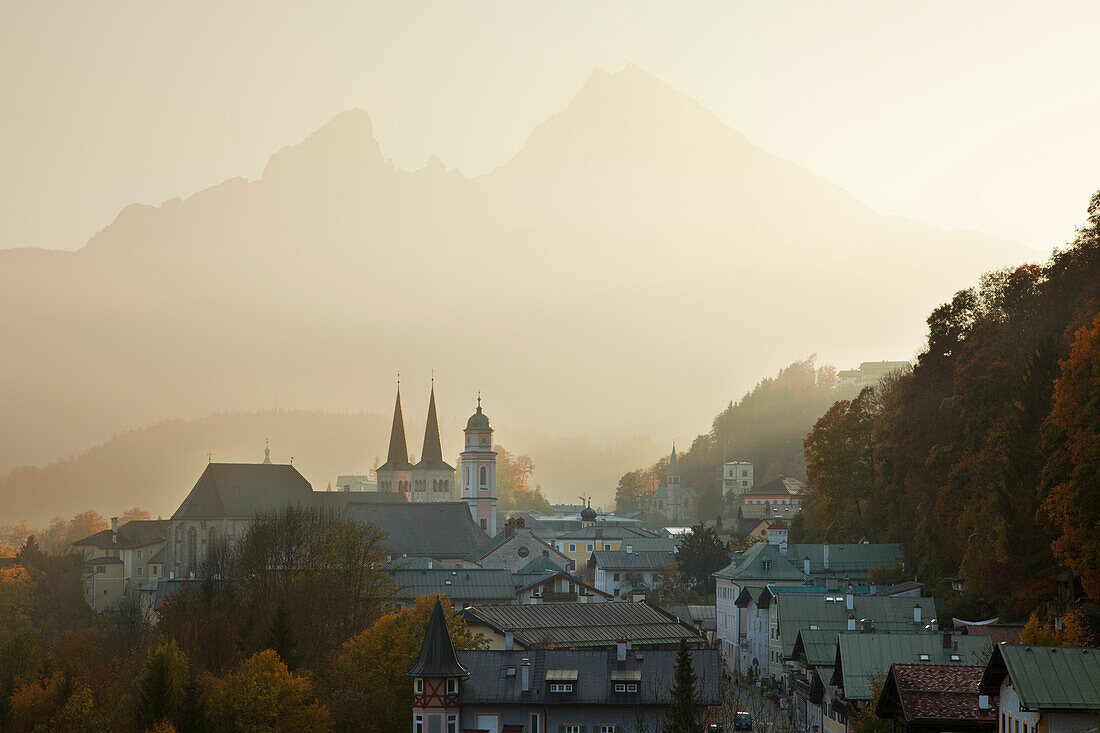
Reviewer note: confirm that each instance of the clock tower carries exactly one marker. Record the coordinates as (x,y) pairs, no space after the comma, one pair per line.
(479,471)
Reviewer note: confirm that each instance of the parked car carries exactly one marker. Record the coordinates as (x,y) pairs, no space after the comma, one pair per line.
(742,721)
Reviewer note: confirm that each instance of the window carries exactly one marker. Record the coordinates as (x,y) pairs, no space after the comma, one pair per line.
(534,727)
(485,524)
(561,687)
(590,547)
(452,686)
(140,572)
(766,565)
(523,551)
(616,576)
(100,569)
(452,723)
(924,657)
(572,547)
(607,729)
(418,724)
(467,472)
(626,687)
(418,686)
(572,728)
(484,476)
(141,554)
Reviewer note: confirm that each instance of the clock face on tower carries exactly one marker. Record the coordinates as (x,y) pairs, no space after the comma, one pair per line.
(485,440)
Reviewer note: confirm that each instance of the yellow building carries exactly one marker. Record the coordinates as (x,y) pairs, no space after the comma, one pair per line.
(117,561)
(593,536)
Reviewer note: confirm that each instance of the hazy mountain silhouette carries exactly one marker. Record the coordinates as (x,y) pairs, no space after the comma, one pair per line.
(636,263)
(154,467)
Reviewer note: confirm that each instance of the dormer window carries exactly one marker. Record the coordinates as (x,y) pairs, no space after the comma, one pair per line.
(418,686)
(626,687)
(452,686)
(561,687)
(766,565)
(924,657)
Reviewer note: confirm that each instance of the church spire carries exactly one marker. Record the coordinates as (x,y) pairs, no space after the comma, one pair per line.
(673,463)
(432,453)
(267,451)
(398,456)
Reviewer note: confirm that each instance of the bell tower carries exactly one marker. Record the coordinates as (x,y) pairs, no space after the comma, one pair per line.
(479,471)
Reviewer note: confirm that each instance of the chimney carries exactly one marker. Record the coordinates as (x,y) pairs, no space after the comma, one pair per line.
(825,555)
(525,675)
(806,565)
(850,600)
(630,549)
(509,641)
(620,651)
(868,626)
(851,622)
(510,528)
(783,547)
(114,530)
(916,613)
(947,640)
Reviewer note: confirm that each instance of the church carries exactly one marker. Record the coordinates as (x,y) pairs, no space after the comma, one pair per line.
(432,478)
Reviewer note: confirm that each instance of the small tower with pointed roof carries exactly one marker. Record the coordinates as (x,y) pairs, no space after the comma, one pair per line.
(436,675)
(267,451)
(432,478)
(396,473)
(479,471)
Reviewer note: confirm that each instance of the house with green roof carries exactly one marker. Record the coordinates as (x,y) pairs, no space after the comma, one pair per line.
(845,562)
(816,699)
(761,565)
(1044,689)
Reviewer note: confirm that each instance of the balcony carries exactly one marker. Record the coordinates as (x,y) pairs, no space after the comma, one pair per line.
(556,597)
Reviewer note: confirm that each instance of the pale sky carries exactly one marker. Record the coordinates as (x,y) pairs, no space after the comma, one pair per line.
(974,114)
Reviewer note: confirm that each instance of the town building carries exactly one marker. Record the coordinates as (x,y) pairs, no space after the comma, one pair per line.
(515,547)
(623,573)
(1043,689)
(548,690)
(869,373)
(581,626)
(931,698)
(543,581)
(677,502)
(354,482)
(579,545)
(737,478)
(119,560)
(783,490)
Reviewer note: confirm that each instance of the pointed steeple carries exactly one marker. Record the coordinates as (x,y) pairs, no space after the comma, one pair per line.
(431,456)
(673,463)
(267,451)
(398,457)
(437,654)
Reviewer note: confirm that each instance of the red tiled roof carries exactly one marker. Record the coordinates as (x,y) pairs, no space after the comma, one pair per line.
(940,691)
(997,632)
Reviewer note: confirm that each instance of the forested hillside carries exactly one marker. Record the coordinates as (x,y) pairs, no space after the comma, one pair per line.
(765,427)
(984,460)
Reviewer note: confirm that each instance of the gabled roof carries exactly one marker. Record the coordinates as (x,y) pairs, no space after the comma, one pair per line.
(440,530)
(1045,677)
(816,647)
(437,653)
(829,610)
(239,490)
(541,564)
(525,581)
(397,458)
(431,457)
(616,560)
(782,486)
(931,693)
(860,657)
(136,533)
(761,562)
(468,584)
(596,671)
(581,625)
(502,538)
(846,561)
(606,532)
(769,511)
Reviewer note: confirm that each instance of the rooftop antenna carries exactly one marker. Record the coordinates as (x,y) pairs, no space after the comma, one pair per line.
(209,457)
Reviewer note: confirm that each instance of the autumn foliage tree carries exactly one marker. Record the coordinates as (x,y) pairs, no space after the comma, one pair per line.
(368,676)
(635,491)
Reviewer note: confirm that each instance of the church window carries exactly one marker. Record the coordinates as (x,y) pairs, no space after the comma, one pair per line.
(484,476)
(484,524)
(467,471)
(192,550)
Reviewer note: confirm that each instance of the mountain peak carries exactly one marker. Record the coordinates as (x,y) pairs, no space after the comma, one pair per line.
(345,142)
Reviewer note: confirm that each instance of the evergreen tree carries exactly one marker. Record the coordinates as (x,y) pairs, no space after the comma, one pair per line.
(683,712)
(162,686)
(280,637)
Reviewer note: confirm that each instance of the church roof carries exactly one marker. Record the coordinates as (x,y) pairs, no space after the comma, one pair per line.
(662,492)
(440,530)
(243,489)
(437,654)
(673,463)
(479,420)
(431,457)
(398,457)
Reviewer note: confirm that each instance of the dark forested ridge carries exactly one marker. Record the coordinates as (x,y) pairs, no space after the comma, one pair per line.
(984,459)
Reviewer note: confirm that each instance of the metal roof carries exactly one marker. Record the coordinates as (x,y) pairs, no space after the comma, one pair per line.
(846,561)
(440,530)
(471,584)
(239,490)
(763,561)
(1045,677)
(860,657)
(136,533)
(437,653)
(797,611)
(628,561)
(606,532)
(581,625)
(816,646)
(489,682)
